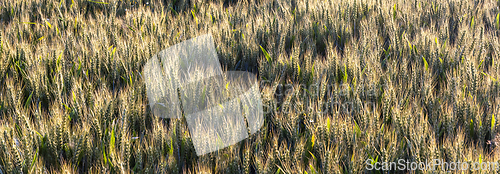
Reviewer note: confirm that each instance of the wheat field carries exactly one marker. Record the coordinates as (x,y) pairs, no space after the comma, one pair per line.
(342,82)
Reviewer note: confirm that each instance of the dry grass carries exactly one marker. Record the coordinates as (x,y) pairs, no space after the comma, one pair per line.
(342,82)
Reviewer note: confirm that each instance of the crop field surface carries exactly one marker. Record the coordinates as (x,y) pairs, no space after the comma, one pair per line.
(344,84)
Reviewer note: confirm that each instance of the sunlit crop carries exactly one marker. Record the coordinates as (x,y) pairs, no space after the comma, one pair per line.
(341,82)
